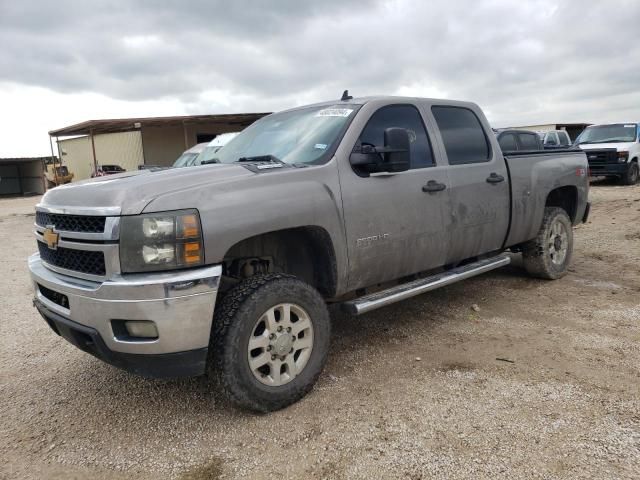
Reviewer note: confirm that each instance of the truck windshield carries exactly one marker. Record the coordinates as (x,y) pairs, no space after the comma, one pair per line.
(614,133)
(304,136)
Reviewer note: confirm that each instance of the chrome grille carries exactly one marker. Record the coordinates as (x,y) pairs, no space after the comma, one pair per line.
(83,261)
(71,223)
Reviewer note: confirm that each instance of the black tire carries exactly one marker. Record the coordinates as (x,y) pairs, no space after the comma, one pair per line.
(632,175)
(233,325)
(538,255)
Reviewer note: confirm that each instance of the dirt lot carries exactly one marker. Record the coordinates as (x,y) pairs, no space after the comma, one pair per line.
(416,390)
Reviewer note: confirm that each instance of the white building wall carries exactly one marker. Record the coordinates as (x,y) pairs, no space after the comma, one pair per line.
(76,155)
(124,149)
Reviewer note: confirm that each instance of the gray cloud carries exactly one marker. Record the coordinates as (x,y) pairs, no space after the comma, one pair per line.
(534,61)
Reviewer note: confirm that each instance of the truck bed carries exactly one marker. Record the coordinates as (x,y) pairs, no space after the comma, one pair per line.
(527,169)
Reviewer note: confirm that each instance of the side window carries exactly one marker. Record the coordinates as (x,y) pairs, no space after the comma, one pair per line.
(564,139)
(508,142)
(529,141)
(463,136)
(403,116)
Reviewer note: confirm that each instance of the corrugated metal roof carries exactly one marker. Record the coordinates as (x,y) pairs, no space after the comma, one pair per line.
(114,125)
(25,159)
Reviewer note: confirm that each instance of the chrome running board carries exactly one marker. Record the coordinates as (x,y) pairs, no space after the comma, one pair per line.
(416,287)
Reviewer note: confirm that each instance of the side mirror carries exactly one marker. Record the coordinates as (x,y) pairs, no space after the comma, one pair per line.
(394,156)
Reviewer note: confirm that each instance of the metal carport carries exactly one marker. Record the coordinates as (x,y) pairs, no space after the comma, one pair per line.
(22,176)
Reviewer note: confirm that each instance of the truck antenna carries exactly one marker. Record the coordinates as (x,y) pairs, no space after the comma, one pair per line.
(346,96)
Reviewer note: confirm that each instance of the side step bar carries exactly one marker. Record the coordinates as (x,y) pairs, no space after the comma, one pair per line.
(406,290)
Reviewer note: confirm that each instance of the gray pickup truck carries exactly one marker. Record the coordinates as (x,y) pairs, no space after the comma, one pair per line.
(227,268)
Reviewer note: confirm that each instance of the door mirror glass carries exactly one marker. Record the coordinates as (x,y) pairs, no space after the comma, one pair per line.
(393,156)
(397,144)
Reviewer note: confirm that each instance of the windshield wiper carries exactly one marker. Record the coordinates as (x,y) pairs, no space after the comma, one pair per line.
(210,160)
(261,158)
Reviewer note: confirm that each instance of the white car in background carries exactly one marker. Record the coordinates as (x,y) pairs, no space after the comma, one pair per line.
(189,156)
(613,150)
(214,145)
(555,139)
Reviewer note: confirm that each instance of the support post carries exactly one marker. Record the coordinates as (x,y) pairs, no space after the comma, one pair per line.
(184,130)
(53,161)
(93,149)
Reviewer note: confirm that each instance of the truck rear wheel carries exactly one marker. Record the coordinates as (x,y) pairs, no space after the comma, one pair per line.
(270,341)
(632,175)
(549,254)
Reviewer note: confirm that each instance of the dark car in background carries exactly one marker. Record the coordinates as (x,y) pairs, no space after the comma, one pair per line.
(104,170)
(513,140)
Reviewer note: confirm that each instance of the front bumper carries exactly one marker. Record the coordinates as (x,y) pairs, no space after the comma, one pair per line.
(181,305)
(164,365)
(608,169)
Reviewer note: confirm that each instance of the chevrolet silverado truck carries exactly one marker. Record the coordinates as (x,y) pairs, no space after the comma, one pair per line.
(613,151)
(226,269)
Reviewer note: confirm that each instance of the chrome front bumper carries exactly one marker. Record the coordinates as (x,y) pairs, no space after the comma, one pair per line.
(180,303)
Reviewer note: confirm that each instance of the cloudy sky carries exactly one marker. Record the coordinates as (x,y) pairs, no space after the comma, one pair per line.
(524,62)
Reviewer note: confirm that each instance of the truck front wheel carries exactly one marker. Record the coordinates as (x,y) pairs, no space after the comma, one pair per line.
(270,341)
(632,175)
(549,254)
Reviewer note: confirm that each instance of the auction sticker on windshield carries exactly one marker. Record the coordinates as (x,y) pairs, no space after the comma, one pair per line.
(334,112)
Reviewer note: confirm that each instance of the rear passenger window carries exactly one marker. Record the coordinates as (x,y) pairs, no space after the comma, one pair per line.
(463,136)
(508,142)
(403,116)
(529,141)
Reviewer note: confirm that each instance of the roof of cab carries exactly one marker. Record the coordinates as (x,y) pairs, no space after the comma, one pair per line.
(358,101)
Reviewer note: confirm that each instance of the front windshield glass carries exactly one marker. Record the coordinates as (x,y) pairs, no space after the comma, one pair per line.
(615,133)
(301,136)
(185,159)
(207,154)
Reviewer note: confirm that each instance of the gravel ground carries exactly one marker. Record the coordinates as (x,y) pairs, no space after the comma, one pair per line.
(540,380)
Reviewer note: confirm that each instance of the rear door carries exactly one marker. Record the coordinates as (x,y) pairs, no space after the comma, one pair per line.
(479,195)
(396,223)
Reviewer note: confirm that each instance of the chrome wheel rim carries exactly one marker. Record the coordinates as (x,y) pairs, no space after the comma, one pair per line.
(558,243)
(280,344)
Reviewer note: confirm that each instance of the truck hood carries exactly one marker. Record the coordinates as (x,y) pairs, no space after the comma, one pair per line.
(621,147)
(133,191)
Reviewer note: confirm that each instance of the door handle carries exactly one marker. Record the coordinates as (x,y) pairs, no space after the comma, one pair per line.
(495,178)
(433,186)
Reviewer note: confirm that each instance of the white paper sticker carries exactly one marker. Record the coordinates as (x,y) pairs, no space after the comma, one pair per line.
(334,112)
(320,146)
(630,126)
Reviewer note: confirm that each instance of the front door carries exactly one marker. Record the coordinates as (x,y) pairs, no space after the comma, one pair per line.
(480,198)
(395,223)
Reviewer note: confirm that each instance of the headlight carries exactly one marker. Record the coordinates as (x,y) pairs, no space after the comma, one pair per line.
(160,241)
(623,157)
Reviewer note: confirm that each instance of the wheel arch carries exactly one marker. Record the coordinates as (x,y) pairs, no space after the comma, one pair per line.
(565,197)
(306,252)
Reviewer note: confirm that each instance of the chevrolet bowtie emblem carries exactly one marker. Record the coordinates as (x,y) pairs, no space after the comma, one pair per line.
(51,238)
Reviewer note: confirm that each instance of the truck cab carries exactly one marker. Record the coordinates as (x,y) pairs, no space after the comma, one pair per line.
(513,140)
